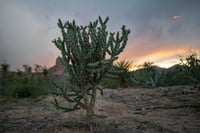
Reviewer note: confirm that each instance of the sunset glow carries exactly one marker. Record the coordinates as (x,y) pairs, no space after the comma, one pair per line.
(165,58)
(165,54)
(167,64)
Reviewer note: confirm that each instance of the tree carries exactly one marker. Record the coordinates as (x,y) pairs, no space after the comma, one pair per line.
(45,71)
(4,69)
(88,53)
(148,66)
(38,68)
(192,65)
(27,69)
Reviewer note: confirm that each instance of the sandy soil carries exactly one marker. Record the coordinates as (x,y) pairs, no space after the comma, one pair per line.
(132,110)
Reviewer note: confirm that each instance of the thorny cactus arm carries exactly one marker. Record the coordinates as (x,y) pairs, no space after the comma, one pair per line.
(87,54)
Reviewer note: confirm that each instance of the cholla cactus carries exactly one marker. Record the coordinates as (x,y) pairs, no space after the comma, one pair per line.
(88,53)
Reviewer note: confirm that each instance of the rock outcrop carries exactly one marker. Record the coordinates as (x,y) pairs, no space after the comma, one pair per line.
(58,69)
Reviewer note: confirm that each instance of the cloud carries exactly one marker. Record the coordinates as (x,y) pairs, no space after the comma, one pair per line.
(24,38)
(176,17)
(27,27)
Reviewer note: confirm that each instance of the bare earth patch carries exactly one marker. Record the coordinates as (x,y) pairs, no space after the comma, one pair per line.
(133,110)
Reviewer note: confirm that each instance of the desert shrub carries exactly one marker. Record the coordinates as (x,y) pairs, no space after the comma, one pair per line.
(149,75)
(178,78)
(119,75)
(20,90)
(185,73)
(39,87)
(111,83)
(191,65)
(183,78)
(20,84)
(23,84)
(143,74)
(140,76)
(27,88)
(155,80)
(123,73)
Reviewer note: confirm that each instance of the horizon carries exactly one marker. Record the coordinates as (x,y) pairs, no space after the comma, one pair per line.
(133,67)
(161,31)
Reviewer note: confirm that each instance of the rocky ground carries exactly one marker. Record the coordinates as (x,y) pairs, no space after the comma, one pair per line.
(132,110)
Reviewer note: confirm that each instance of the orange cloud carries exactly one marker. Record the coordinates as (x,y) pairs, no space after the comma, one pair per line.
(166,53)
(168,57)
(176,17)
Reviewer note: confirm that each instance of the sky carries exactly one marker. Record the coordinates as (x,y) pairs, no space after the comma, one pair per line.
(161,30)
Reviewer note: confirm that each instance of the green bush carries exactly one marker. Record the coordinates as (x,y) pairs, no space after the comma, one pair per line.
(140,76)
(154,80)
(192,65)
(178,78)
(110,83)
(22,84)
(21,90)
(27,87)
(39,87)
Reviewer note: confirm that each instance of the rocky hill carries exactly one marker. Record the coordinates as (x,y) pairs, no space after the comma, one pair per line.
(58,68)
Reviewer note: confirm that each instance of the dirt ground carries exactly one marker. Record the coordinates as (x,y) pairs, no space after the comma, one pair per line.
(132,110)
